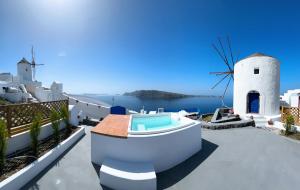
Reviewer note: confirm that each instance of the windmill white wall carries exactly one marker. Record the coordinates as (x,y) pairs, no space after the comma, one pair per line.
(266,83)
(24,71)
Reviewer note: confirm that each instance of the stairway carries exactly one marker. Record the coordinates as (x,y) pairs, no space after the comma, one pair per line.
(260,121)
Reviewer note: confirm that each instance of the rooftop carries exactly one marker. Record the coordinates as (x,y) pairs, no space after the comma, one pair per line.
(257,54)
(243,158)
(23,60)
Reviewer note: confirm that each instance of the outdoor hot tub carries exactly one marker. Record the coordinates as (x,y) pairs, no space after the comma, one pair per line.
(164,140)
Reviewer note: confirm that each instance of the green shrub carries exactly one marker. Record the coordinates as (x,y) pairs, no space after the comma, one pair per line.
(35,130)
(65,116)
(3,143)
(289,122)
(55,117)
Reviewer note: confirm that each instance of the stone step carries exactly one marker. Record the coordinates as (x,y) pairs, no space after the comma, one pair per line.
(260,122)
(117,174)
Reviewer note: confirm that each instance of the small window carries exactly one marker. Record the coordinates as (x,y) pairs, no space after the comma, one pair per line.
(256,71)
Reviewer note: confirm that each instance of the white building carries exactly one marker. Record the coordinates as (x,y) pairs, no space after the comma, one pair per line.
(291,98)
(14,92)
(22,88)
(7,77)
(256,87)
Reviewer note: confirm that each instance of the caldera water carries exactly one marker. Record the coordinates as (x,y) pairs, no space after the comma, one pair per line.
(191,104)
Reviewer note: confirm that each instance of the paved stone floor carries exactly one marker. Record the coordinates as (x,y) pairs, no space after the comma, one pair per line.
(244,158)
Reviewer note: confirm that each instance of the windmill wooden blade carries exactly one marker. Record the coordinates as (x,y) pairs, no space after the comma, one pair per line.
(231,55)
(33,74)
(222,48)
(220,54)
(220,73)
(218,51)
(237,58)
(226,87)
(32,53)
(224,54)
(228,60)
(220,81)
(33,64)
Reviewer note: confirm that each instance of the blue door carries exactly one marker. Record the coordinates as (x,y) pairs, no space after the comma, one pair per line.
(253,102)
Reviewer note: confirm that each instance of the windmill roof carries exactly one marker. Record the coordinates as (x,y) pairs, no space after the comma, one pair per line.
(257,54)
(23,60)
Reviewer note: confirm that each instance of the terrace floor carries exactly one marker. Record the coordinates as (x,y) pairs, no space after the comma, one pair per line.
(243,158)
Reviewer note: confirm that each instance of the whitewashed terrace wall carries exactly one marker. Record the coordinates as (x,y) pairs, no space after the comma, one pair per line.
(92,110)
(42,95)
(294,100)
(23,140)
(291,97)
(15,97)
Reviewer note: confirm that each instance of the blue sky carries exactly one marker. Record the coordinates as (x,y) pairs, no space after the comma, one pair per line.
(113,46)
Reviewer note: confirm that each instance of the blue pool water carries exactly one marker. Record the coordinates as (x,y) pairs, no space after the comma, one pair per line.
(153,123)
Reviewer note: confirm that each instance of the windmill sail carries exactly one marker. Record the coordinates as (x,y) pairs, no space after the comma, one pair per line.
(33,64)
(226,59)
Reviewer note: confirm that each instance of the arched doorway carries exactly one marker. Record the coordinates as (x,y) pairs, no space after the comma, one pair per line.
(253,102)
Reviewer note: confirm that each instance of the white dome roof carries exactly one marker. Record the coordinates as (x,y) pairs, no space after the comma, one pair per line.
(256,55)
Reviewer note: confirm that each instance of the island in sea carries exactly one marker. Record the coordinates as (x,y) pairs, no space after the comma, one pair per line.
(157,94)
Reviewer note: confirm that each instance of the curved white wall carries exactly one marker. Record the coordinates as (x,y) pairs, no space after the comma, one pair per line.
(164,150)
(266,83)
(24,72)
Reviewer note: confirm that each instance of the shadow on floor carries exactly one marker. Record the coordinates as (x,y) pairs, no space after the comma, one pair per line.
(96,168)
(170,177)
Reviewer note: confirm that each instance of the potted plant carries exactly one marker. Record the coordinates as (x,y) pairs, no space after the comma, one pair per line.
(289,124)
(35,130)
(55,117)
(65,116)
(3,143)
(270,122)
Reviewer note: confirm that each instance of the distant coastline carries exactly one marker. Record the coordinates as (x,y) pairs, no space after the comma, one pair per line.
(157,94)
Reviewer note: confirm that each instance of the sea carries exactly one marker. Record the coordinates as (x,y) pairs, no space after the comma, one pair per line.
(190,104)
